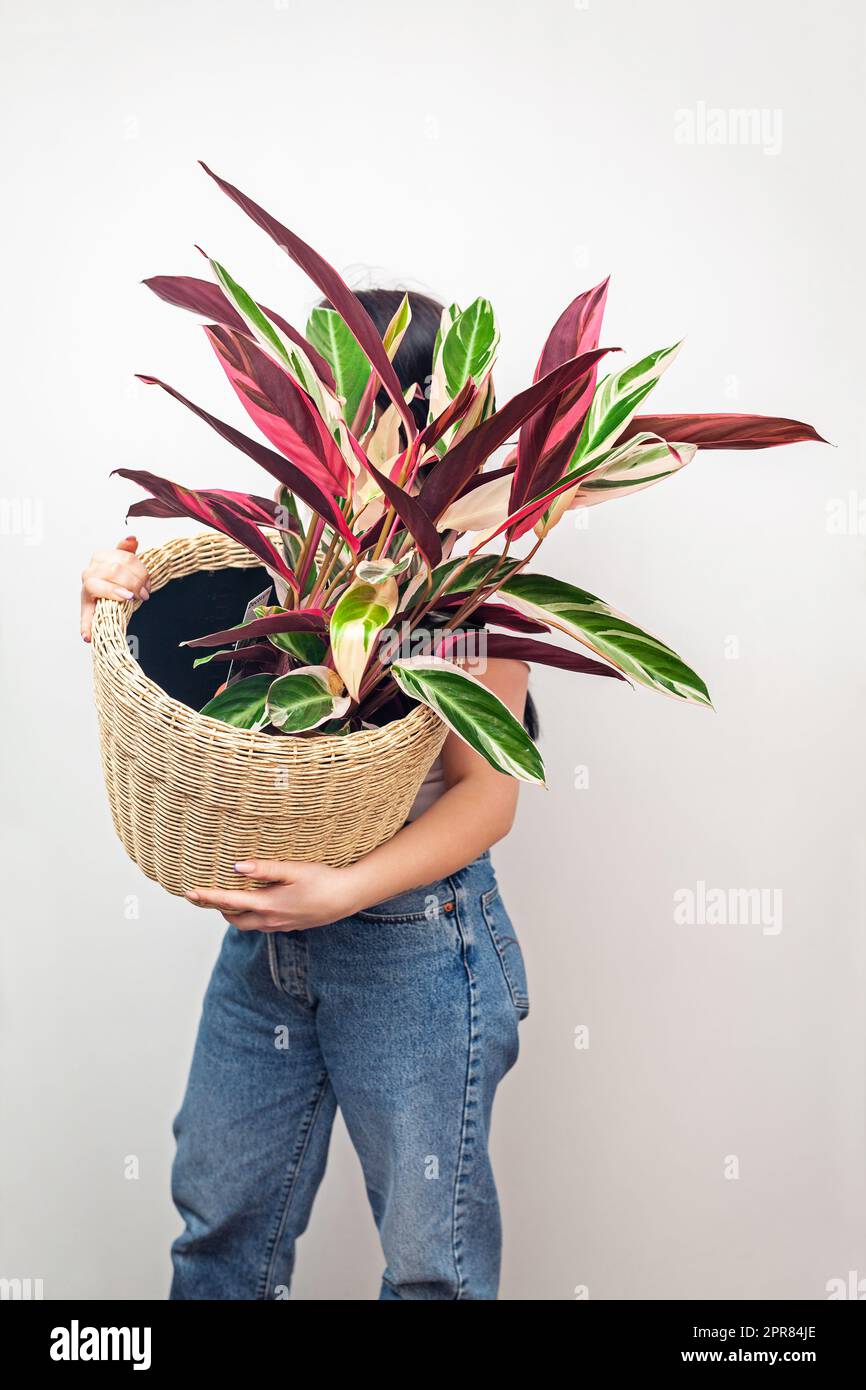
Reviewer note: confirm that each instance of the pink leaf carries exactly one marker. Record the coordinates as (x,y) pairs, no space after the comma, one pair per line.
(280,468)
(282,410)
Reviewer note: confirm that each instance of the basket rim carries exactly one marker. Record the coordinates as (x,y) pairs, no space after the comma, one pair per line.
(108,640)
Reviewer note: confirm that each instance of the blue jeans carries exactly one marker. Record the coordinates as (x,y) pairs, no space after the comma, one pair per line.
(406,1017)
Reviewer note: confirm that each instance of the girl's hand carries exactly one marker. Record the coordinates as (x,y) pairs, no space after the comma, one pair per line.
(301,896)
(112,574)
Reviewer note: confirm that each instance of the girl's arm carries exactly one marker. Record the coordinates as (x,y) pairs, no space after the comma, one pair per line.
(476,809)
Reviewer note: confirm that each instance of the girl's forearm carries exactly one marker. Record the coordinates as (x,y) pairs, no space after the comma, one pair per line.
(466,820)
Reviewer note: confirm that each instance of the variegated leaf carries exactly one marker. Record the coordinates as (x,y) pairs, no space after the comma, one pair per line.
(360,615)
(376,571)
(396,329)
(242,703)
(614,402)
(292,358)
(480,509)
(594,623)
(472,712)
(306,698)
(638,463)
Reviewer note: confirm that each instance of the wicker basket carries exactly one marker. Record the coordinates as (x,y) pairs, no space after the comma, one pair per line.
(190,795)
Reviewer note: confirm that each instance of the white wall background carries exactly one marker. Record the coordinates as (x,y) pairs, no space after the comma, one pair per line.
(519,151)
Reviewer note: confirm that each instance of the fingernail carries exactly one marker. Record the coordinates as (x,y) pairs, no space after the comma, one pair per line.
(243,866)
(145,593)
(125,593)
(192,895)
(85,637)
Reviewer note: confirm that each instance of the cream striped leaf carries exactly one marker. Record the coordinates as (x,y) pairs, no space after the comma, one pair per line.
(596,625)
(640,462)
(472,712)
(615,401)
(356,622)
(306,698)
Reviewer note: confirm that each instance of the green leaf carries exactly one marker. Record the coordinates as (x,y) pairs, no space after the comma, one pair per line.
(594,623)
(375,571)
(212,656)
(356,622)
(305,698)
(472,712)
(615,401)
(445,322)
(330,334)
(465,346)
(476,573)
(469,346)
(306,646)
(242,703)
(393,335)
(267,333)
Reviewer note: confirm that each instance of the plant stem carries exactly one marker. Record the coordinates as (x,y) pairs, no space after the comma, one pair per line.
(387,522)
(325,568)
(308,549)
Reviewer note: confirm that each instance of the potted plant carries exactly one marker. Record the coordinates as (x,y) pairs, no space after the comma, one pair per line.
(396,553)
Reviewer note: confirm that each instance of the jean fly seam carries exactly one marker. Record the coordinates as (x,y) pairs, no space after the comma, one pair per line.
(466,1136)
(273,962)
(296,983)
(308,1124)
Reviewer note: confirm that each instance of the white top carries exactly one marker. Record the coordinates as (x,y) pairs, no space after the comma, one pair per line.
(430,790)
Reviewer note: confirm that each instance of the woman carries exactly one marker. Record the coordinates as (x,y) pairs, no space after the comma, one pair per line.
(391,988)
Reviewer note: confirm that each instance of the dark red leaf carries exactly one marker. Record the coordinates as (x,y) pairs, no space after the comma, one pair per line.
(214,513)
(497,614)
(280,468)
(724,431)
(301,620)
(454,411)
(448,478)
(203,297)
(412,514)
(261,653)
(261,511)
(576,331)
(502,646)
(335,289)
(489,477)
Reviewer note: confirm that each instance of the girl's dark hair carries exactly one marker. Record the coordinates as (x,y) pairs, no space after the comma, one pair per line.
(414,360)
(414,363)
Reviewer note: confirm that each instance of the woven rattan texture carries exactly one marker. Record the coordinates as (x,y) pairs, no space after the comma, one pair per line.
(190,795)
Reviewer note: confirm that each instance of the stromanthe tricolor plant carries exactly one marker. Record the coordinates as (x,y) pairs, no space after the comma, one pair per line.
(390,545)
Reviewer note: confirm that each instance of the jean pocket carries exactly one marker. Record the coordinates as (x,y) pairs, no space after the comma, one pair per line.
(417,905)
(507,949)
